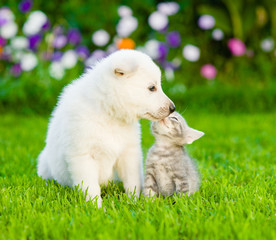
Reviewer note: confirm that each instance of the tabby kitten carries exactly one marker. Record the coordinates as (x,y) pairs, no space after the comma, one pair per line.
(169,168)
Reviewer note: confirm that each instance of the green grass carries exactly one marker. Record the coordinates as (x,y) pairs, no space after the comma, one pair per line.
(236,199)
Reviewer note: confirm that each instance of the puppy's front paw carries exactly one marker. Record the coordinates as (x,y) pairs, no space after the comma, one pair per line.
(96,200)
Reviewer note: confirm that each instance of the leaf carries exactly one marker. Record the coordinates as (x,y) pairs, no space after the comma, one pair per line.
(249,19)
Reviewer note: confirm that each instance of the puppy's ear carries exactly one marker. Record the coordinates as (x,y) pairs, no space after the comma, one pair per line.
(191,135)
(125,68)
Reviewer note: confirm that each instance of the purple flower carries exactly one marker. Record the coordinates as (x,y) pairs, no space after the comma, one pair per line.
(25,5)
(56,56)
(34,41)
(3,21)
(74,36)
(236,47)
(83,52)
(173,39)
(163,51)
(208,71)
(46,25)
(2,41)
(16,70)
(59,41)
(6,16)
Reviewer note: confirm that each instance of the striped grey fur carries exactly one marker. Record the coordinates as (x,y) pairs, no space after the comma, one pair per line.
(169,168)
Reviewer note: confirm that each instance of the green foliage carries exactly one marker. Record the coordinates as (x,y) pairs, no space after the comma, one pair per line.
(38,94)
(35,92)
(238,91)
(236,200)
(226,99)
(241,19)
(249,20)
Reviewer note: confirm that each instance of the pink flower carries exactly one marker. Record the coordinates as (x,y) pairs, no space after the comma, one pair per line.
(236,47)
(208,71)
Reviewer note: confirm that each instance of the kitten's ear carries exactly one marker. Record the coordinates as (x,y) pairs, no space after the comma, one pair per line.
(125,68)
(192,135)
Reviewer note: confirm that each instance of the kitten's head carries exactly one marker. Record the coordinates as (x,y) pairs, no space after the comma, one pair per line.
(175,130)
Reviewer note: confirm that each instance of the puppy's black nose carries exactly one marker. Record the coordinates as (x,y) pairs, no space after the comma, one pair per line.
(172,108)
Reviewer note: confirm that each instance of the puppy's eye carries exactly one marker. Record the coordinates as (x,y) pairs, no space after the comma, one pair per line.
(152,88)
(119,72)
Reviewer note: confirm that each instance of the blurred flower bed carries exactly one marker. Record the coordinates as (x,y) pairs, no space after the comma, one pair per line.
(209,43)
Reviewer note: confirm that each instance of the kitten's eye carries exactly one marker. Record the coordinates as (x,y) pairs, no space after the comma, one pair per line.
(152,88)
(174,119)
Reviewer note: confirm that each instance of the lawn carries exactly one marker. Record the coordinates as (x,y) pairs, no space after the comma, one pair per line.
(236,199)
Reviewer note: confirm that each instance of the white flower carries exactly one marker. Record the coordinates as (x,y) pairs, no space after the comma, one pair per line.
(8,30)
(158,21)
(267,44)
(191,53)
(19,43)
(217,34)
(111,49)
(169,74)
(168,8)
(124,11)
(69,59)
(126,26)
(206,22)
(28,61)
(34,23)
(151,48)
(6,14)
(56,70)
(100,37)
(18,55)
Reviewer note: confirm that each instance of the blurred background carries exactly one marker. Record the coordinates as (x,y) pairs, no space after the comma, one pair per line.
(215,55)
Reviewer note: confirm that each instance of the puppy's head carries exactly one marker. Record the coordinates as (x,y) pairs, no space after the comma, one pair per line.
(138,84)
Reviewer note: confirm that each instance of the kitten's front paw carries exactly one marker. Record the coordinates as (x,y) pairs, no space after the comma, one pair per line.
(149,192)
(182,194)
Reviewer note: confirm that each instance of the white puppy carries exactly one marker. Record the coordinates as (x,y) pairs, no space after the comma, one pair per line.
(94,129)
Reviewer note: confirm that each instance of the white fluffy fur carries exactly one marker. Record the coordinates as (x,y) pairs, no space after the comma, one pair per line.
(94,129)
